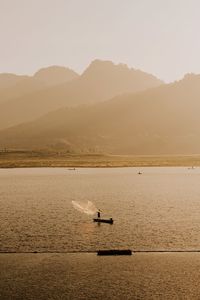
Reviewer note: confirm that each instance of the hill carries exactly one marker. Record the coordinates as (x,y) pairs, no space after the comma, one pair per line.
(55,75)
(14,86)
(100,81)
(7,80)
(162,120)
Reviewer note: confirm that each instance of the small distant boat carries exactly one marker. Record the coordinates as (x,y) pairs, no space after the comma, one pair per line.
(71,169)
(98,220)
(139,173)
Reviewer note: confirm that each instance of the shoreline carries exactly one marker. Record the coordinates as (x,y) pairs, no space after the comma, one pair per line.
(36,159)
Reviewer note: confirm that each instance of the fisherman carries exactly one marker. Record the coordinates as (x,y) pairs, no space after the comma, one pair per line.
(98,214)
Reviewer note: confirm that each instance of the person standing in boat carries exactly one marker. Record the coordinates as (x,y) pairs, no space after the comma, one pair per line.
(98,214)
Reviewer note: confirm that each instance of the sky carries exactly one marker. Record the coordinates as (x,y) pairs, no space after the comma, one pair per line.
(156,36)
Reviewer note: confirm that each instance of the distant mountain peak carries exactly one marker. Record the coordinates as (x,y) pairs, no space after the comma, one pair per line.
(107,69)
(55,75)
(100,65)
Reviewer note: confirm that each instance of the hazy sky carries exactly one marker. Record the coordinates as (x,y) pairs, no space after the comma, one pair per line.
(157,36)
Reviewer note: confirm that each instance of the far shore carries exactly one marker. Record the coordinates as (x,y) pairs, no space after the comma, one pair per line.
(30,159)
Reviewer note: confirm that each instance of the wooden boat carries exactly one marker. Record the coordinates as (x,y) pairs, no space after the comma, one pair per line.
(109,221)
(114,252)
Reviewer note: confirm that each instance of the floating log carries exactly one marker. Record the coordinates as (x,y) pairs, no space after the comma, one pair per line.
(114,252)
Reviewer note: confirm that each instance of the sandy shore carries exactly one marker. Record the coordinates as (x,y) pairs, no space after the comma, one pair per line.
(17,159)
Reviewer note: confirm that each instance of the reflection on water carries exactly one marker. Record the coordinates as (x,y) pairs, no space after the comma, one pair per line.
(88,276)
(158,209)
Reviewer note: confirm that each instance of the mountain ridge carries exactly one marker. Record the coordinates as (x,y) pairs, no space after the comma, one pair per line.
(13,86)
(94,85)
(161,120)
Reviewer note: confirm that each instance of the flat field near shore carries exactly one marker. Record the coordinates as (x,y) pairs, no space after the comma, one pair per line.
(21,159)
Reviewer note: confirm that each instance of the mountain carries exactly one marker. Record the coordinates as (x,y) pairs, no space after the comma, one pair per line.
(15,86)
(55,75)
(21,88)
(103,80)
(100,81)
(162,120)
(7,80)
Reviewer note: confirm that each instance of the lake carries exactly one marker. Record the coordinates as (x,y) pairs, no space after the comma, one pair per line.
(156,210)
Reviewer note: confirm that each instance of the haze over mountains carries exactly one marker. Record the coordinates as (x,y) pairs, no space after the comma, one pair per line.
(102,80)
(14,86)
(160,120)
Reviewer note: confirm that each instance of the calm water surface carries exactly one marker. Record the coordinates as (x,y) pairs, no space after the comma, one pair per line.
(159,209)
